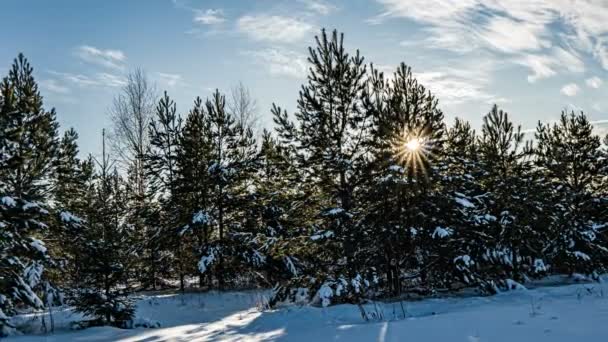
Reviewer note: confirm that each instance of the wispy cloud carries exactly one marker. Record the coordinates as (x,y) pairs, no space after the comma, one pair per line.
(461,83)
(570,89)
(209,17)
(547,36)
(540,66)
(545,65)
(273,28)
(170,80)
(54,86)
(318,6)
(110,80)
(100,79)
(594,82)
(281,62)
(109,58)
(511,36)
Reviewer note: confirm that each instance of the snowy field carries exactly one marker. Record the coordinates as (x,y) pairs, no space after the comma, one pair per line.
(556,314)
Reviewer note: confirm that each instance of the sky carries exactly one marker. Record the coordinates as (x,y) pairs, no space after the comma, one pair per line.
(534,58)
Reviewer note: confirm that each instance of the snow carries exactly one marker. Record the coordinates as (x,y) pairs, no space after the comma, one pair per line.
(460,199)
(322,235)
(513,285)
(441,232)
(38,245)
(466,260)
(539,266)
(325,293)
(33,273)
(581,256)
(555,314)
(200,217)
(396,168)
(68,217)
(30,205)
(8,201)
(335,211)
(206,260)
(290,266)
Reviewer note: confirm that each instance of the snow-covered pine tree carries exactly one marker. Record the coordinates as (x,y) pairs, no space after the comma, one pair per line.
(509,186)
(570,156)
(141,213)
(329,131)
(461,204)
(73,191)
(233,162)
(72,176)
(161,164)
(31,134)
(400,192)
(107,251)
(193,198)
(601,191)
(28,140)
(280,211)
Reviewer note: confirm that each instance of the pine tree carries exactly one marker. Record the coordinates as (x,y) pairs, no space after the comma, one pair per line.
(406,142)
(569,154)
(73,188)
(27,148)
(280,209)
(193,189)
(464,208)
(233,159)
(72,175)
(510,187)
(30,131)
(107,252)
(161,164)
(328,133)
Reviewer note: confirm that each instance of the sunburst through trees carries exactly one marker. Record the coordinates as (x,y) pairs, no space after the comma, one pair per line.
(412,149)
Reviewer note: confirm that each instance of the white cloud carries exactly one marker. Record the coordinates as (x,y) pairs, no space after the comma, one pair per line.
(110,80)
(511,36)
(170,80)
(460,83)
(570,89)
(545,65)
(100,79)
(560,30)
(600,51)
(319,7)
(273,28)
(210,17)
(54,86)
(281,62)
(571,107)
(113,59)
(594,82)
(540,66)
(568,59)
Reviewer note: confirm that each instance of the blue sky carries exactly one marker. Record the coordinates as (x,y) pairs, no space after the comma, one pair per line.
(532,57)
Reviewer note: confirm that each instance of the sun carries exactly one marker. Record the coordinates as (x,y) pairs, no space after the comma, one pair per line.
(413,144)
(413,149)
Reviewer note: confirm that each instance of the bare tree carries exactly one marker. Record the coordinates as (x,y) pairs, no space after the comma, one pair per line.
(131,113)
(243,107)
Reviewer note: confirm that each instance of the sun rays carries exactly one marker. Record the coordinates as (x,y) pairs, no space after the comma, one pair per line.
(413,144)
(412,150)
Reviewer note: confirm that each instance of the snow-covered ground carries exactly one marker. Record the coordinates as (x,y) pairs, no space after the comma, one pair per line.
(557,314)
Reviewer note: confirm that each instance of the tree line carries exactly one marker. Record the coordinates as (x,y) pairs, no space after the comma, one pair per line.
(363,192)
